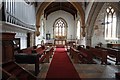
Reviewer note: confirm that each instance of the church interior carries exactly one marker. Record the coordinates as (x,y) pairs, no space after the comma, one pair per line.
(59,39)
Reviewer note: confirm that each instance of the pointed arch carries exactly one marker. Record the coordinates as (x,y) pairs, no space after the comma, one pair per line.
(110,23)
(93,13)
(45,4)
(60,28)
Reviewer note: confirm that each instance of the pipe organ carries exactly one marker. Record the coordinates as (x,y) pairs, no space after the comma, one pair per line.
(16,12)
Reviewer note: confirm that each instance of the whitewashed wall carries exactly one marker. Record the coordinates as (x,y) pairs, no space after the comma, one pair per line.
(68,18)
(99,35)
(23,39)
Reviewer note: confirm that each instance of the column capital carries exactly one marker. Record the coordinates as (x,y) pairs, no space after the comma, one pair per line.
(37,32)
(37,26)
(83,26)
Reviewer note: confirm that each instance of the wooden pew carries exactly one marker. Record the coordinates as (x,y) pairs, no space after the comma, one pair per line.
(102,54)
(113,52)
(51,51)
(29,56)
(87,55)
(6,75)
(47,54)
(49,44)
(12,71)
(74,54)
(39,50)
(36,56)
(27,50)
(117,75)
(33,50)
(23,58)
(78,57)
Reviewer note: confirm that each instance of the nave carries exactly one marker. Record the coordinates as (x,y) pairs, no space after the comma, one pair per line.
(85,71)
(42,62)
(31,30)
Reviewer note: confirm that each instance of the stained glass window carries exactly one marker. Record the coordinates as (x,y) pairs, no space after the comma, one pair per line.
(110,23)
(60,28)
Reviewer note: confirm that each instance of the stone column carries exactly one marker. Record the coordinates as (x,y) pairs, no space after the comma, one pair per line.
(37,30)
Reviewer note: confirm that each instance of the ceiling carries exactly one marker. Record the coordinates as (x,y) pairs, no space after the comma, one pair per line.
(55,6)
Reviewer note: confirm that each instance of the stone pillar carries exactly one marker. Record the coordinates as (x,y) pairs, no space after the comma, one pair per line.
(83,30)
(37,30)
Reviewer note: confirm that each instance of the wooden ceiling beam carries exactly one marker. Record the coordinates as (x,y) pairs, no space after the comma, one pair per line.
(55,6)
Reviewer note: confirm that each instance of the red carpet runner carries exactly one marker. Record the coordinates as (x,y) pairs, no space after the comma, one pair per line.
(61,67)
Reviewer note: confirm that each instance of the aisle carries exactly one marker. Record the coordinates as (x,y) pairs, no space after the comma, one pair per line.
(61,66)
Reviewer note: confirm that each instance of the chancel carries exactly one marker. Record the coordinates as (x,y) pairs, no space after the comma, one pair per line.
(56,39)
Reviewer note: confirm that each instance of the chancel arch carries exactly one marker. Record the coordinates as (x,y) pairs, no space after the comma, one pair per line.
(44,5)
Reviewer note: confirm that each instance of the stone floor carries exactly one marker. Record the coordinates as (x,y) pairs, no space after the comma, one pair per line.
(85,71)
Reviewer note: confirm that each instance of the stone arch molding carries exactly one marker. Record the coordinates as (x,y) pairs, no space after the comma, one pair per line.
(44,5)
(94,12)
(62,20)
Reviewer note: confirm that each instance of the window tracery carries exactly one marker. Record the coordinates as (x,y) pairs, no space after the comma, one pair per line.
(110,23)
(60,28)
